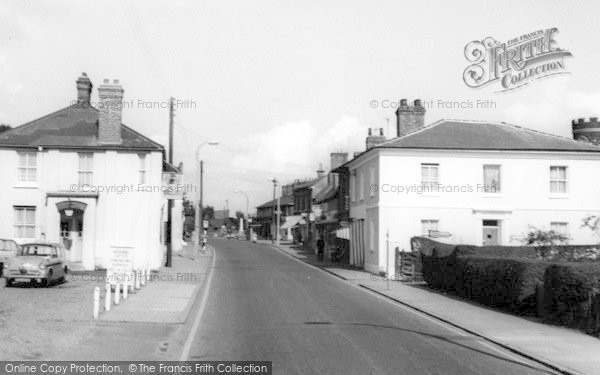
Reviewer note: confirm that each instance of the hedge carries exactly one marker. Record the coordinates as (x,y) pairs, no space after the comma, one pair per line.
(571,295)
(508,283)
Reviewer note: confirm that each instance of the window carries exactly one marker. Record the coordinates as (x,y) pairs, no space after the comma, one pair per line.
(24,222)
(491,178)
(372,181)
(558,179)
(429,177)
(353,188)
(428,225)
(142,171)
(560,228)
(27,166)
(85,168)
(361,187)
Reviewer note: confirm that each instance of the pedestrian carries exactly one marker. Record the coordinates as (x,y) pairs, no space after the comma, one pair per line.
(320,247)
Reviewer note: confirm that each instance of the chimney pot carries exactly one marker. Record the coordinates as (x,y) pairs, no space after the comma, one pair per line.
(417,102)
(106,81)
(370,131)
(380,131)
(84,90)
(593,119)
(116,81)
(403,102)
(581,121)
(409,119)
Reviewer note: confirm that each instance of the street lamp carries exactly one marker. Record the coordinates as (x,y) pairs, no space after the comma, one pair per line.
(198,216)
(247,217)
(276,217)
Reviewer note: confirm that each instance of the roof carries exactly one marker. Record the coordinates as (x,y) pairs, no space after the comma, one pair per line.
(287,200)
(330,192)
(75,126)
(480,135)
(306,184)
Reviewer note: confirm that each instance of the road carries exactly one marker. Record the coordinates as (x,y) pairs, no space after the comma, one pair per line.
(265,305)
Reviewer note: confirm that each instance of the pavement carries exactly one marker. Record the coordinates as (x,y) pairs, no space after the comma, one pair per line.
(565,350)
(168,294)
(264,305)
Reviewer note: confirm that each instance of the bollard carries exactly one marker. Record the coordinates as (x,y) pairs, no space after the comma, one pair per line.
(125,286)
(132,283)
(137,279)
(96,302)
(143,277)
(107,298)
(117,293)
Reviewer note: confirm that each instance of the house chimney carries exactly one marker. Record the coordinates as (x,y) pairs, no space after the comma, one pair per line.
(338,158)
(84,90)
(409,118)
(110,107)
(320,171)
(374,138)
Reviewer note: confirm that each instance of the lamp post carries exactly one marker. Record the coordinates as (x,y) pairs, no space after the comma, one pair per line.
(276,217)
(247,216)
(198,215)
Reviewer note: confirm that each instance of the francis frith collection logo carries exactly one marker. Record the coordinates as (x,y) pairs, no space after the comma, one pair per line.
(515,63)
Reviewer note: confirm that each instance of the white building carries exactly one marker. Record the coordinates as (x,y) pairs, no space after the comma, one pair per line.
(482,183)
(80,177)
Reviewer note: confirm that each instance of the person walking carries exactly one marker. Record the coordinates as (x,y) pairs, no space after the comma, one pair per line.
(320,248)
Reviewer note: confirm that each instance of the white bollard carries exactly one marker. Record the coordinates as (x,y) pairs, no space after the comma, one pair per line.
(96,302)
(117,293)
(137,279)
(132,281)
(143,276)
(125,286)
(107,300)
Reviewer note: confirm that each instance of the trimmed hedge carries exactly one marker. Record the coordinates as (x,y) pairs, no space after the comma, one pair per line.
(571,295)
(508,283)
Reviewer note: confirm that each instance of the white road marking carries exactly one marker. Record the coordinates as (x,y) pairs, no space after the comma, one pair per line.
(185,353)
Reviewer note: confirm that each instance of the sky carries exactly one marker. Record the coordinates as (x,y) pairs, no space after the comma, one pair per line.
(282,84)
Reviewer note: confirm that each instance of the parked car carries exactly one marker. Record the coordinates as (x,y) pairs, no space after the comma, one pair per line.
(39,262)
(8,250)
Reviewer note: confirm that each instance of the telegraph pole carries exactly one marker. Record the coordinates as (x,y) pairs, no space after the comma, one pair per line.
(274,223)
(201,206)
(168,236)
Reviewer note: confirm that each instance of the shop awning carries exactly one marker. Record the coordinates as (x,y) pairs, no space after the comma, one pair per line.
(291,221)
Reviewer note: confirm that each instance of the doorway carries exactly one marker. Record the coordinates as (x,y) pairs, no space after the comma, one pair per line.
(491,233)
(71,228)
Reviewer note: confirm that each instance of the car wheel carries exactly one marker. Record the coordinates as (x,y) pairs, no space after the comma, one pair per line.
(9,283)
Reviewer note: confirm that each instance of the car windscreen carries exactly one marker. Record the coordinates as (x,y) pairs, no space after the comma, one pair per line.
(42,250)
(5,246)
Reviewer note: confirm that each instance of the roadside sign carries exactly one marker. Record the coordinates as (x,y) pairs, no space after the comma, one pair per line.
(120,264)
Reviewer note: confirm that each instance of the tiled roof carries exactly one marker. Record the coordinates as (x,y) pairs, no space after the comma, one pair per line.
(72,127)
(309,183)
(330,192)
(287,200)
(474,135)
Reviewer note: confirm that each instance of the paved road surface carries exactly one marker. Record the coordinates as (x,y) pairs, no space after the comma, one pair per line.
(264,305)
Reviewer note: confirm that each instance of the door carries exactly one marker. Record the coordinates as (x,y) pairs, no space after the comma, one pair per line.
(71,233)
(491,233)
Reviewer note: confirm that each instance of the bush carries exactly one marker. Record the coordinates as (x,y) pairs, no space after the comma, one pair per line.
(528,252)
(571,295)
(495,281)
(502,282)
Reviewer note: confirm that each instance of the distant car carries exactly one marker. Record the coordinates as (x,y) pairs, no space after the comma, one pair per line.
(8,250)
(39,262)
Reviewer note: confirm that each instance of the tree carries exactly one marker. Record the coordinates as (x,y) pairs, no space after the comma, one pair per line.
(545,241)
(592,222)
(4,127)
(239,214)
(209,212)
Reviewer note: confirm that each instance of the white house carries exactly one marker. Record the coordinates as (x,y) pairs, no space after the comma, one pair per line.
(80,177)
(481,183)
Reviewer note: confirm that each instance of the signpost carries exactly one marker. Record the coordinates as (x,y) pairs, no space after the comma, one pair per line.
(120,265)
